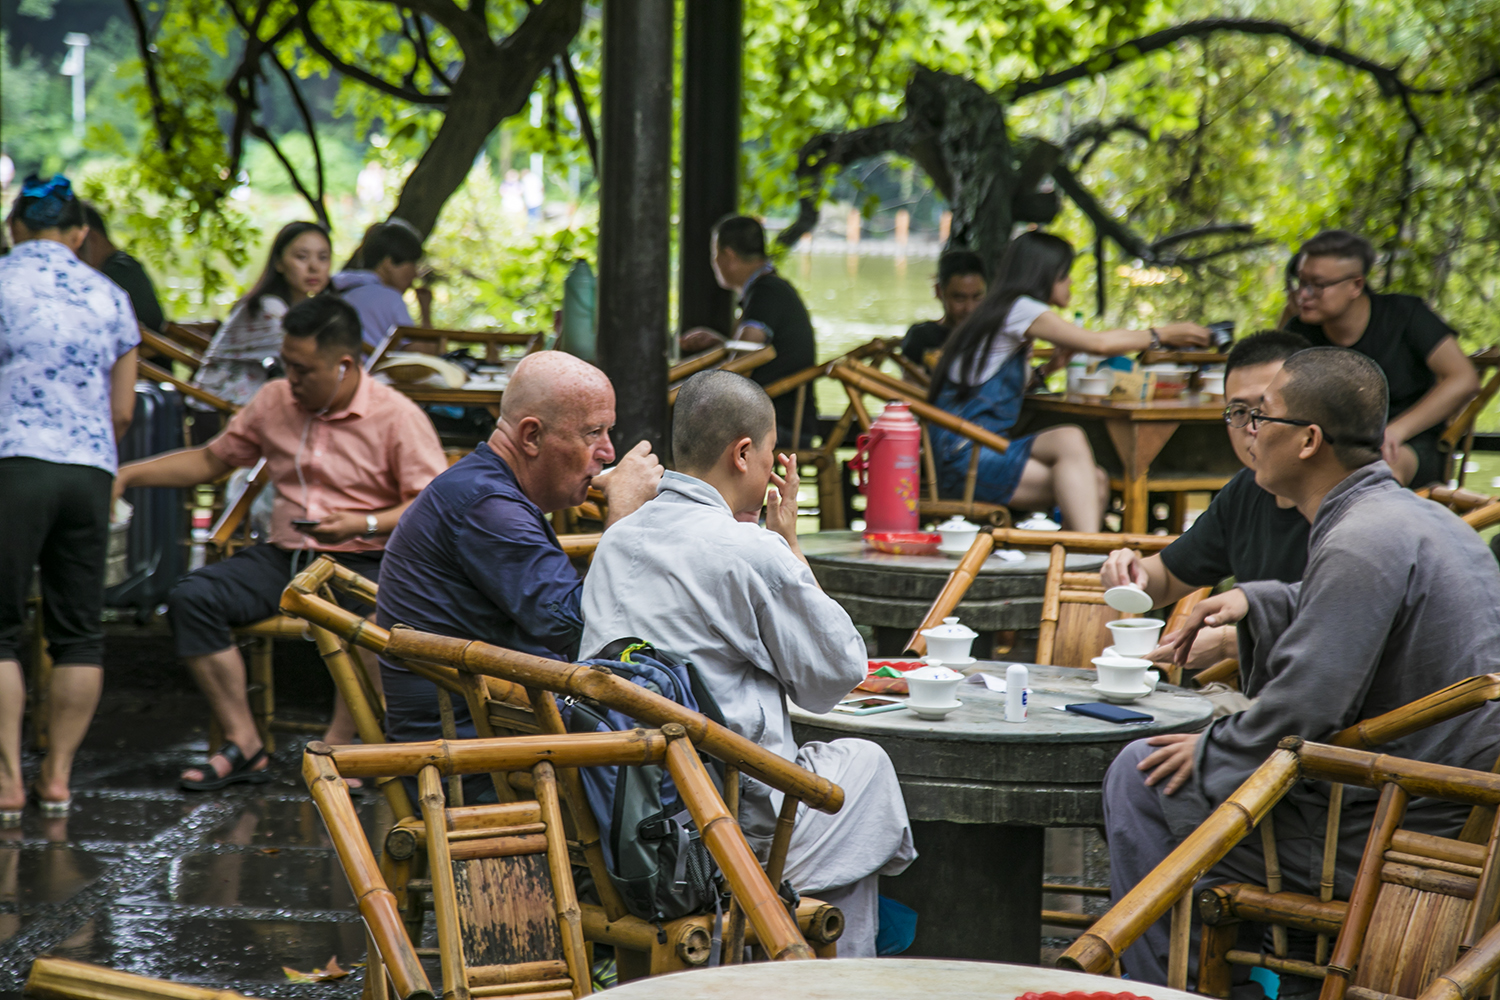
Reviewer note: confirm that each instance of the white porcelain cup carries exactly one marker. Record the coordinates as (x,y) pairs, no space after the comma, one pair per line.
(1122,673)
(933,686)
(949,642)
(1213,385)
(958,533)
(1093,385)
(1136,636)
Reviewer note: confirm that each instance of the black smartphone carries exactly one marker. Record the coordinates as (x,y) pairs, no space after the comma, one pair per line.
(1108,712)
(303,525)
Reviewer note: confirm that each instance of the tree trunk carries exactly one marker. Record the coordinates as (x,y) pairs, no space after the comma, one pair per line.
(493,86)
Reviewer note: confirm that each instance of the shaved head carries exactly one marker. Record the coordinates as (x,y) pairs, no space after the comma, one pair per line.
(715,409)
(555,388)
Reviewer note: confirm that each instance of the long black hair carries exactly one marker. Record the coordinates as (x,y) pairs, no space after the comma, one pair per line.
(1030,265)
(272,281)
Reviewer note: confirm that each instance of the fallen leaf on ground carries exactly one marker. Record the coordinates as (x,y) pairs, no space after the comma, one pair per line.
(270,850)
(326,974)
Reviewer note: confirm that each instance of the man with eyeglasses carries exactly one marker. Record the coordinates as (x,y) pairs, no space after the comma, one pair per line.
(1430,378)
(1400,598)
(1246,532)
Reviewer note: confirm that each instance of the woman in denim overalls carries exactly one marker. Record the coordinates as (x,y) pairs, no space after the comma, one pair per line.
(984,371)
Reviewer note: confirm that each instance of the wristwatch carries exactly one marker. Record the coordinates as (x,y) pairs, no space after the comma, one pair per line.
(371,525)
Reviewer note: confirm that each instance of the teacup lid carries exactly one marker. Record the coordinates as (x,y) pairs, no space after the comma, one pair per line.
(950,629)
(1037,522)
(934,672)
(956,523)
(1128,598)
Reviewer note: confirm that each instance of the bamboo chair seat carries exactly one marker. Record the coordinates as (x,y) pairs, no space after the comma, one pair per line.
(1419,902)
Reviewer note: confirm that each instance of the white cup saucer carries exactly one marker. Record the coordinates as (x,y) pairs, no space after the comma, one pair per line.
(1121,697)
(933,712)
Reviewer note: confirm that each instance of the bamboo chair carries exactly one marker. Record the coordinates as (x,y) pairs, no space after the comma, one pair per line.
(1461,427)
(1418,900)
(428,340)
(720,358)
(859,379)
(1479,510)
(172,349)
(500,706)
(507,930)
(62,979)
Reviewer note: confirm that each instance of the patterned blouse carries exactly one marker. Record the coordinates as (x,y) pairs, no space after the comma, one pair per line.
(232,365)
(63,325)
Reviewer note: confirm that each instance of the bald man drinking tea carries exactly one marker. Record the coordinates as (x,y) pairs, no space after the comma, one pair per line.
(474,556)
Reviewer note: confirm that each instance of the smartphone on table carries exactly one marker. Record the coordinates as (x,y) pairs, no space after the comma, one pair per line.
(868,706)
(1108,712)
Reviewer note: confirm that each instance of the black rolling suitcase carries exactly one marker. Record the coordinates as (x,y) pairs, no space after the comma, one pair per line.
(159,529)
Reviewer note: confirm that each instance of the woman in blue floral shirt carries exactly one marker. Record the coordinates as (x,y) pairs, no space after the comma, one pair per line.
(68,340)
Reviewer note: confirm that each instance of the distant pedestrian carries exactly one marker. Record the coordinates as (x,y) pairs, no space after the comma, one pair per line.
(68,341)
(100,253)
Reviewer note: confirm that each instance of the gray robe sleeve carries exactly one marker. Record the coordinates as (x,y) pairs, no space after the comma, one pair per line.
(1314,651)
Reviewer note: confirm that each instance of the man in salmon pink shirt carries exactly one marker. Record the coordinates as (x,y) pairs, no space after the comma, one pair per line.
(346,455)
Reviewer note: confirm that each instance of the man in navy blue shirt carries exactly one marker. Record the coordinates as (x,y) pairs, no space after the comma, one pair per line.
(474,555)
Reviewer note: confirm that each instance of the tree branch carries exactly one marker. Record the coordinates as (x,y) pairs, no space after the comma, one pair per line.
(837,150)
(426,50)
(316,43)
(164,131)
(585,119)
(319,206)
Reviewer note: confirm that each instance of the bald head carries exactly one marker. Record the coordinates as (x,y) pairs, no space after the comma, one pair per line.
(714,409)
(555,388)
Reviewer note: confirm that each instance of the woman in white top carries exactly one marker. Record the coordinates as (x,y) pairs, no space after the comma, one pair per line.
(234,363)
(984,370)
(68,339)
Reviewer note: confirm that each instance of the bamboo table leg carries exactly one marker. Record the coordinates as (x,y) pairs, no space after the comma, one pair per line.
(1138,443)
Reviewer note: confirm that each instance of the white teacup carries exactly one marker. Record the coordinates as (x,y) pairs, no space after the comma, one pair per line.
(1123,673)
(1136,636)
(958,533)
(933,686)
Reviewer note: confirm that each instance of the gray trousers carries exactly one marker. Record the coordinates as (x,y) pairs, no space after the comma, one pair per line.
(1143,826)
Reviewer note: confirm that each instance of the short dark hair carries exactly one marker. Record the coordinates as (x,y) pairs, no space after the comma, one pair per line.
(1339,243)
(330,319)
(742,234)
(47,204)
(94,220)
(390,242)
(957,262)
(1345,394)
(1263,348)
(713,410)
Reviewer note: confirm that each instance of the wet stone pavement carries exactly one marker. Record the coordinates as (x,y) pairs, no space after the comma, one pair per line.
(218,889)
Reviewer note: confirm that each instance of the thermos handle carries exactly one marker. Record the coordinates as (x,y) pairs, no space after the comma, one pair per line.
(860,463)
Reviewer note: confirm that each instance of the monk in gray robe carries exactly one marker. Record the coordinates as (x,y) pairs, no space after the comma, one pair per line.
(1400,598)
(694,574)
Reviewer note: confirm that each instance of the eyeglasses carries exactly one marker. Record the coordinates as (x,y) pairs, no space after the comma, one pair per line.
(1242,416)
(1316,288)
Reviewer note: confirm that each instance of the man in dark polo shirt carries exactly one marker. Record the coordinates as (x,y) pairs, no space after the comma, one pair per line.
(771,312)
(121,268)
(1429,376)
(1245,533)
(960,286)
(474,556)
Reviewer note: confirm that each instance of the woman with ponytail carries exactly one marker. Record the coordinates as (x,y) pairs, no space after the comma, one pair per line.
(68,342)
(983,374)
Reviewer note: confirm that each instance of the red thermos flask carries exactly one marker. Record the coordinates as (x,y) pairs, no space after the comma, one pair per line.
(888,466)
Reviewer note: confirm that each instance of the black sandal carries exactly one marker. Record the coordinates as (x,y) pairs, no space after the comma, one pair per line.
(240,770)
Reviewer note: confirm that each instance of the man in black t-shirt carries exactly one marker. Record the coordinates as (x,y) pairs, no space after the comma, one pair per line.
(960,286)
(1429,377)
(121,268)
(771,312)
(1246,533)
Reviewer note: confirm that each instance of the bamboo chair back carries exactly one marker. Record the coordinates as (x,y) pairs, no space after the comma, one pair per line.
(1461,427)
(1479,510)
(1418,900)
(721,358)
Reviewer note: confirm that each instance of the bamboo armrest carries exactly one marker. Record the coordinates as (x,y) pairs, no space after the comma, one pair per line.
(1221,671)
(857,377)
(189,336)
(1453,700)
(696,363)
(276,627)
(742,365)
(580,680)
(63,979)
(1459,426)
(149,371)
(579,545)
(161,345)
(1483,517)
(1458,498)
(230,521)
(1080,541)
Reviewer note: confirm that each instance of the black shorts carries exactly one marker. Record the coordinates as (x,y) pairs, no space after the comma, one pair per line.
(246,588)
(1429,459)
(56,517)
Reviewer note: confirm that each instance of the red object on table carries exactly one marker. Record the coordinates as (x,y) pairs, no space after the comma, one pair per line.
(904,543)
(889,471)
(1077,995)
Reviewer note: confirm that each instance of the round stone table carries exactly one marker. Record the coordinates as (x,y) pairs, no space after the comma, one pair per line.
(980,792)
(878,979)
(892,593)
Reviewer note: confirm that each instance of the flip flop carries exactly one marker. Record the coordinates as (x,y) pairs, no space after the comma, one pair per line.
(240,771)
(52,808)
